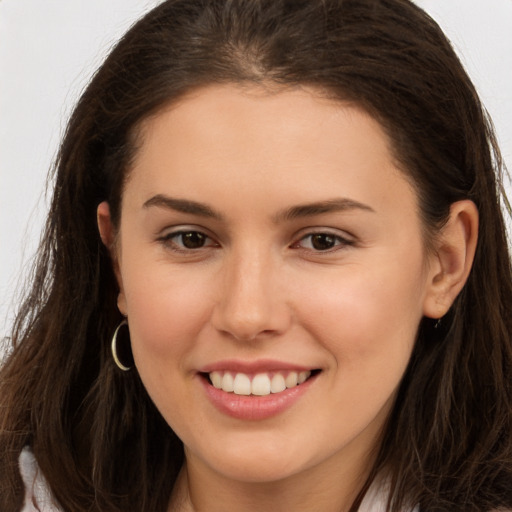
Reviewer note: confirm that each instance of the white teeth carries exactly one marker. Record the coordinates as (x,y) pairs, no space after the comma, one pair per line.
(303,376)
(260,385)
(216,378)
(277,384)
(227,383)
(242,384)
(291,380)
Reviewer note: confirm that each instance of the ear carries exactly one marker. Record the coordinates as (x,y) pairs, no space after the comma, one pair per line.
(450,264)
(108,237)
(105,226)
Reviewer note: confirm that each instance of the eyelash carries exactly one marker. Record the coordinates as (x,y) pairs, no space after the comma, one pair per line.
(169,240)
(338,241)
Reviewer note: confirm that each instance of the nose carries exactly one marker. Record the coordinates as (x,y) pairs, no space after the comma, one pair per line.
(251,302)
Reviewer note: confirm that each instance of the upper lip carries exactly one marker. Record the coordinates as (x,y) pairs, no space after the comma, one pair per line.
(250,367)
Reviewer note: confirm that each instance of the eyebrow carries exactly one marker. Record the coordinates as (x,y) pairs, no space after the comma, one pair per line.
(321,207)
(182,205)
(294,212)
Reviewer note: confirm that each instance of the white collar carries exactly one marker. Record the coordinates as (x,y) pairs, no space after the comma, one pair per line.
(38,497)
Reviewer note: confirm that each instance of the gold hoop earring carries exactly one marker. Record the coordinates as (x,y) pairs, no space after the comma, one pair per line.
(113,347)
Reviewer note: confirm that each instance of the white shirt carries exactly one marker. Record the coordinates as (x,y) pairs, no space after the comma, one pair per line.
(38,497)
(37,494)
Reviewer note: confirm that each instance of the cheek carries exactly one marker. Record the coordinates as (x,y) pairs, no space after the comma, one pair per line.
(365,315)
(165,311)
(166,314)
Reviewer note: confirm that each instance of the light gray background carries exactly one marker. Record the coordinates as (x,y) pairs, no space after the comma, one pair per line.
(50,48)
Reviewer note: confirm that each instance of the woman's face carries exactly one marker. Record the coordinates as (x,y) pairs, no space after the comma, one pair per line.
(267,238)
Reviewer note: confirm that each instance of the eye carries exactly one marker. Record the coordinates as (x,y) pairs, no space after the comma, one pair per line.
(188,240)
(322,242)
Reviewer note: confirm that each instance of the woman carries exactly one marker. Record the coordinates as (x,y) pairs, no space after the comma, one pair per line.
(275,275)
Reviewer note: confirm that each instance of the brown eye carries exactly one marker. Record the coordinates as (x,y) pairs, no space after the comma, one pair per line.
(322,241)
(193,239)
(187,241)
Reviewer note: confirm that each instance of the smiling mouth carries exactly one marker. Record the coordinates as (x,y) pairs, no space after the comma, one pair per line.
(259,384)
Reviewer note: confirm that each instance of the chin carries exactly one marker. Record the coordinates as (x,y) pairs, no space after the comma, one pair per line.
(258,460)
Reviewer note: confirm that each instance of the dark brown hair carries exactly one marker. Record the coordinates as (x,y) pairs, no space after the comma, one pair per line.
(97,437)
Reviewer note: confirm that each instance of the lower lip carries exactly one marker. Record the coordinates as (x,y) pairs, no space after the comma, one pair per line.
(253,407)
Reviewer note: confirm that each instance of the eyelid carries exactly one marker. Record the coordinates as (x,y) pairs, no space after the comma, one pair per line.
(166,236)
(171,230)
(344,239)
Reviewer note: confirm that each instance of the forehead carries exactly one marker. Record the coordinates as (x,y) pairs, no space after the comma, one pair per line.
(265,112)
(253,141)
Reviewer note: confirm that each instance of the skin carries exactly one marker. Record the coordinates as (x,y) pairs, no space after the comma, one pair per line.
(260,289)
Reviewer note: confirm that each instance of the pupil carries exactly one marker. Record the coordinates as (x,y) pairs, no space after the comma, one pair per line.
(322,242)
(193,240)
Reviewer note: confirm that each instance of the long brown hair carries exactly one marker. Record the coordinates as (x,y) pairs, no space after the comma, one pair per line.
(97,437)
